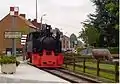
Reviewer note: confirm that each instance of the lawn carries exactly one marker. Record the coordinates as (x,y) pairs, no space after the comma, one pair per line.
(93,72)
(102,66)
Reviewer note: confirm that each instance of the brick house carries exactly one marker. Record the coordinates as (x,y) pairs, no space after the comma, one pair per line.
(65,42)
(21,24)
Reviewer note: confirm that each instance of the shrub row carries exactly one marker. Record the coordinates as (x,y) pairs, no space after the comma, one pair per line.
(8,60)
(114,50)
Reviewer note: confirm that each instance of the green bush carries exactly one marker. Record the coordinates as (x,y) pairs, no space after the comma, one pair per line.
(114,50)
(71,54)
(79,49)
(8,59)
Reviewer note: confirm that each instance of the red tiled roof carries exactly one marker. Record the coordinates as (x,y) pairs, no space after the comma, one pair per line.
(35,23)
(27,22)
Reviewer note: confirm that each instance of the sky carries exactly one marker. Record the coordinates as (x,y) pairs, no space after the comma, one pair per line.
(66,15)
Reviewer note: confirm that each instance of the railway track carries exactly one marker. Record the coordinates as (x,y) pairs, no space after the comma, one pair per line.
(69,76)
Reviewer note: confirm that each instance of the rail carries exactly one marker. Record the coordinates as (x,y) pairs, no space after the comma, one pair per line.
(68,75)
(71,77)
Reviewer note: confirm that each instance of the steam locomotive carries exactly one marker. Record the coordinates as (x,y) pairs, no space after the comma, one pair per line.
(44,48)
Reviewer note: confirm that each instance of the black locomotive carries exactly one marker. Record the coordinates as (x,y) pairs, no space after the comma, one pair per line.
(44,39)
(44,48)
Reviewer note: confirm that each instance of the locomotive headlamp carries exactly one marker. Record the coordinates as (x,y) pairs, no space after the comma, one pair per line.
(47,27)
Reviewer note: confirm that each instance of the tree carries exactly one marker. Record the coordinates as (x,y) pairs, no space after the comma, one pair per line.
(90,35)
(73,38)
(105,21)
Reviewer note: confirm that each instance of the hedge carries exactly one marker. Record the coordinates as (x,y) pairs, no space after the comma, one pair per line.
(114,50)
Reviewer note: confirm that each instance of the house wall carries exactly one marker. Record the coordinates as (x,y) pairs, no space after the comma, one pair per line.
(65,43)
(6,25)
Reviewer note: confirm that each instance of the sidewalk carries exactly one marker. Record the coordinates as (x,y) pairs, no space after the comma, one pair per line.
(29,74)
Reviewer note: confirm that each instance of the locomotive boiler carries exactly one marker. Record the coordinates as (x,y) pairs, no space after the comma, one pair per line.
(44,48)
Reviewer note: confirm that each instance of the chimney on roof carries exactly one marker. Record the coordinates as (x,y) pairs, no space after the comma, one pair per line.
(35,20)
(29,20)
(23,15)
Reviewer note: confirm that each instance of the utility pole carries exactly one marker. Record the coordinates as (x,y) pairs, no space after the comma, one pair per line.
(36,10)
(36,15)
(13,40)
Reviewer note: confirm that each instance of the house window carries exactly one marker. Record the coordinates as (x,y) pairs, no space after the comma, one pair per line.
(64,46)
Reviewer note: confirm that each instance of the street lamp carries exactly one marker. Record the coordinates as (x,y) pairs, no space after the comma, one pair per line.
(41,19)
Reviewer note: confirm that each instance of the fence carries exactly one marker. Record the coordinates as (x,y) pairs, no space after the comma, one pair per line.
(75,60)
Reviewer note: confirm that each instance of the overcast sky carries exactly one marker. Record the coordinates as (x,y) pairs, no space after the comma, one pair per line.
(63,14)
